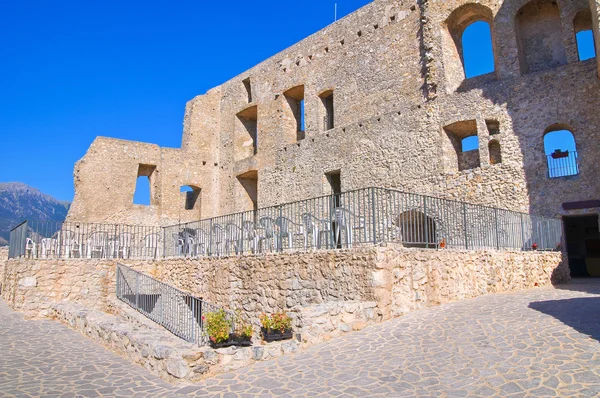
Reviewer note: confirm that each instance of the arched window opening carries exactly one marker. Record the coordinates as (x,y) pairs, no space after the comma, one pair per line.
(540,37)
(143,187)
(191,197)
(417,230)
(477,49)
(561,152)
(584,34)
(495,152)
(468,44)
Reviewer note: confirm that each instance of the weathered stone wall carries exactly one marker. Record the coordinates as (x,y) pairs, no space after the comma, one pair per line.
(105,182)
(328,292)
(421,278)
(332,292)
(3,261)
(31,286)
(396,72)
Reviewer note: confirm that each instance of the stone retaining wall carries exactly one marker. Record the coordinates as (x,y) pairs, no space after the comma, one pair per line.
(332,292)
(32,285)
(326,292)
(3,260)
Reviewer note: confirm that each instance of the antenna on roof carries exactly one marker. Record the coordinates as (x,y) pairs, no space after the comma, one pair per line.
(335,12)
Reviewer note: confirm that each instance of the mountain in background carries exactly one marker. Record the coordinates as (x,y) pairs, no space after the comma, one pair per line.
(19,202)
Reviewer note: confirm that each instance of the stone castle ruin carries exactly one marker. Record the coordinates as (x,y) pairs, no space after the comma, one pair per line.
(386,103)
(360,115)
(379,98)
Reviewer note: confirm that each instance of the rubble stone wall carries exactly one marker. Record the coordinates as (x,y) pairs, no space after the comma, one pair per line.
(332,292)
(326,292)
(3,261)
(31,286)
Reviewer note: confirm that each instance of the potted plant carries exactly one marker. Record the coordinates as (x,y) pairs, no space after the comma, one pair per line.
(218,328)
(242,334)
(558,154)
(276,327)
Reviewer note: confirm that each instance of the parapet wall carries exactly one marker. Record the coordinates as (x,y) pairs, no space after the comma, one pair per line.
(327,292)
(3,260)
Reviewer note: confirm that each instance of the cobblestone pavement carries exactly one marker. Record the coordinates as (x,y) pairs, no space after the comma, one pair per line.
(541,342)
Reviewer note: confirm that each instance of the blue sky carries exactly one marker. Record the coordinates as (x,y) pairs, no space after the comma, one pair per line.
(73,70)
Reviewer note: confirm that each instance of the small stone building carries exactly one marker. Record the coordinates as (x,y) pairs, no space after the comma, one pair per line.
(381,98)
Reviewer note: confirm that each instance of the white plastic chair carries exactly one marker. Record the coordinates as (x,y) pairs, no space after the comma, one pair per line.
(249,235)
(218,239)
(314,227)
(124,245)
(149,245)
(97,243)
(178,242)
(288,229)
(347,222)
(49,246)
(68,244)
(233,237)
(268,226)
(30,248)
(202,242)
(188,243)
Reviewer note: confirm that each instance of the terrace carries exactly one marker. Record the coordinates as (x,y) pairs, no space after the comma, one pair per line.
(370,216)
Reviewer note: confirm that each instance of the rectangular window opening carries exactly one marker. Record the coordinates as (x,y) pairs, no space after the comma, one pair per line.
(143,194)
(295,100)
(191,197)
(248,87)
(328,110)
(461,150)
(247,133)
(493,126)
(249,181)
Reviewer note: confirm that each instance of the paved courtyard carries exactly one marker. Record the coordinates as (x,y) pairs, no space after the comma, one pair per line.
(541,342)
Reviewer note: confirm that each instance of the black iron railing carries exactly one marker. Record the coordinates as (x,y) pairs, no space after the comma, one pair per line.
(367,216)
(53,239)
(360,217)
(177,311)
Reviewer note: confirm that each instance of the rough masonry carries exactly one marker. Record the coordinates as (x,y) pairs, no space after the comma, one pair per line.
(386,104)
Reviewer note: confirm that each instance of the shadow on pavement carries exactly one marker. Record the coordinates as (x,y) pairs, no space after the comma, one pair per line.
(579,313)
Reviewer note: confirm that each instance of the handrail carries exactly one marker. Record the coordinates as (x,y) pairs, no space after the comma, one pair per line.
(177,311)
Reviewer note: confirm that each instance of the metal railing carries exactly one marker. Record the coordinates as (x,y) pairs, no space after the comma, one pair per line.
(361,217)
(52,240)
(367,216)
(17,241)
(563,164)
(175,310)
